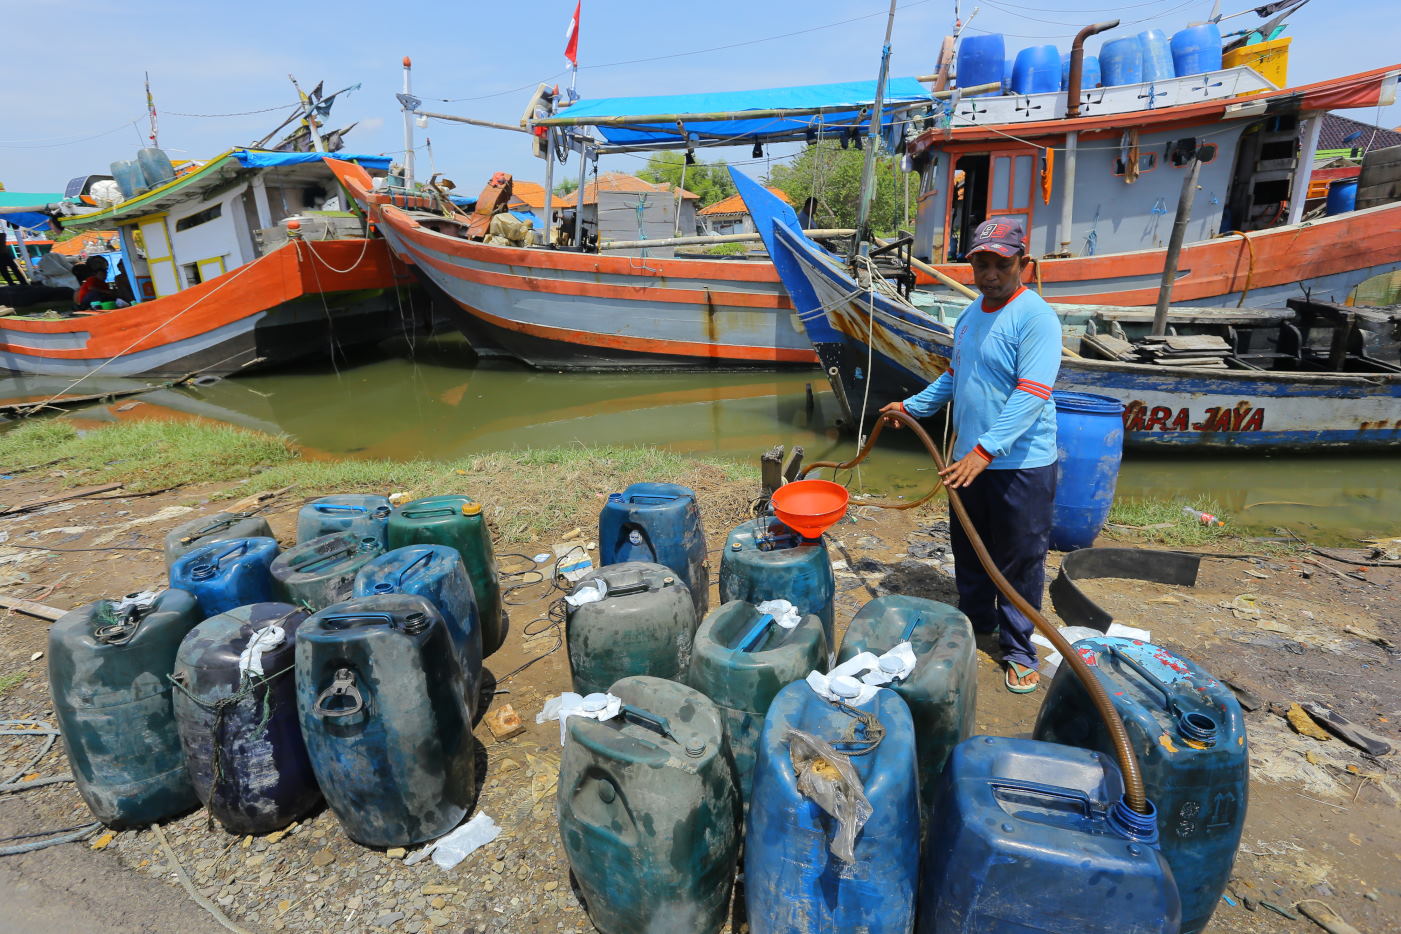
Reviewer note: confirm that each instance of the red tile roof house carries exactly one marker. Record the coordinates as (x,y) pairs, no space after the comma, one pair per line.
(622,207)
(730,217)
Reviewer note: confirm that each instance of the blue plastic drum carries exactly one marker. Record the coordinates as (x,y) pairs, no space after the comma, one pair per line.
(1342,196)
(1036,70)
(1157,55)
(1090,440)
(1196,50)
(1089,73)
(1121,62)
(980,60)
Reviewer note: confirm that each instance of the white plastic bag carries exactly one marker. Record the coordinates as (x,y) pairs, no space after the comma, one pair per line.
(457,845)
(594,706)
(250,660)
(784,613)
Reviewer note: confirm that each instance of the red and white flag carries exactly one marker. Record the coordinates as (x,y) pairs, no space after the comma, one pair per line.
(571,37)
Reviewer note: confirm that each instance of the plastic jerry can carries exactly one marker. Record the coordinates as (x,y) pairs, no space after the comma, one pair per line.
(108,663)
(1030,836)
(239,729)
(227,574)
(320,572)
(219,527)
(457,522)
(766,560)
(740,660)
(942,690)
(658,523)
(384,715)
(345,512)
(793,881)
(644,625)
(1189,733)
(649,813)
(434,572)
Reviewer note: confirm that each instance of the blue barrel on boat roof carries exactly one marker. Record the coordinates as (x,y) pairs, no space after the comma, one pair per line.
(228,574)
(1342,196)
(366,514)
(980,60)
(156,168)
(1121,62)
(1036,70)
(793,880)
(658,523)
(1189,733)
(1089,73)
(1196,50)
(1007,69)
(436,573)
(1157,55)
(127,174)
(1033,836)
(1090,444)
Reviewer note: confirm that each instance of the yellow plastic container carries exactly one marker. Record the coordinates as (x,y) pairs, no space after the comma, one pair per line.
(1270,59)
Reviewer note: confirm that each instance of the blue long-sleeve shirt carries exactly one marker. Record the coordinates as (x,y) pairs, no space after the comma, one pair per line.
(1005,362)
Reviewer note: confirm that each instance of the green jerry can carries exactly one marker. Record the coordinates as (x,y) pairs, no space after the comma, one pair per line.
(458,522)
(766,560)
(942,690)
(643,625)
(218,527)
(741,659)
(321,572)
(109,664)
(649,813)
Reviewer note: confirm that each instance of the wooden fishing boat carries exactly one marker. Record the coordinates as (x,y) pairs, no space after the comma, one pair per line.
(249,260)
(1294,379)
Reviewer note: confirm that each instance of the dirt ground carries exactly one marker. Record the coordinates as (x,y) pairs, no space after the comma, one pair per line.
(1323,818)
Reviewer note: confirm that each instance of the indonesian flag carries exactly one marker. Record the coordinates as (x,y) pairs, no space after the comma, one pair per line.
(571,37)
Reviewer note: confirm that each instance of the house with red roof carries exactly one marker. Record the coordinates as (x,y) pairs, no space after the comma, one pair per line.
(618,206)
(730,217)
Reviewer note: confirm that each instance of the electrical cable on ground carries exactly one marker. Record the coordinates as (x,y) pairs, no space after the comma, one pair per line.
(189,887)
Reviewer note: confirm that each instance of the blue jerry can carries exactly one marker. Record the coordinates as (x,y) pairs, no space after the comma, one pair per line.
(793,883)
(1189,733)
(1027,836)
(741,659)
(223,575)
(766,560)
(942,690)
(366,515)
(658,523)
(385,718)
(437,573)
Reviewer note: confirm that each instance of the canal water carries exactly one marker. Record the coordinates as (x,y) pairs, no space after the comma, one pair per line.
(436,402)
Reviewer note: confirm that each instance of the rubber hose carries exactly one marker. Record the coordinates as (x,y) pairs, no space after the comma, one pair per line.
(1134,793)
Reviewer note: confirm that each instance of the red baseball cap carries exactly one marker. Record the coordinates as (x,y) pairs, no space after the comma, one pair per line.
(1004,236)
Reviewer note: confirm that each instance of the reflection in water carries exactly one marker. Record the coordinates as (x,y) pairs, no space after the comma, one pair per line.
(438,404)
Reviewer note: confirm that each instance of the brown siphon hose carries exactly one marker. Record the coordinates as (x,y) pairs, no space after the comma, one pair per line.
(1134,793)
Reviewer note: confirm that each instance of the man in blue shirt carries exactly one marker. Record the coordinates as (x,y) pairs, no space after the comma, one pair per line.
(1006,354)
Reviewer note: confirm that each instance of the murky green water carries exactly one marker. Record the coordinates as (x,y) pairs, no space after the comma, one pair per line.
(435,403)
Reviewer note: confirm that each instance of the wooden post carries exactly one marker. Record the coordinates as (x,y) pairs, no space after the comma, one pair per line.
(1174,250)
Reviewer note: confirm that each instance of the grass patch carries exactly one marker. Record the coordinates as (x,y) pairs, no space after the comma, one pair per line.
(10,681)
(1165,522)
(528,494)
(728,249)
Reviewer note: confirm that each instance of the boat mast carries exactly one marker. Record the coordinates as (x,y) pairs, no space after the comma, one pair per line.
(868,170)
(404,99)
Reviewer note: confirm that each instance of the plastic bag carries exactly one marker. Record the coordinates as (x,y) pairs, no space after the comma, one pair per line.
(595,706)
(784,613)
(250,661)
(457,845)
(827,777)
(1051,663)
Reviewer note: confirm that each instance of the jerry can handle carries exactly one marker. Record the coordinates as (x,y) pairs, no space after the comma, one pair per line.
(342,685)
(624,590)
(322,560)
(1052,791)
(409,571)
(910,629)
(1196,727)
(240,548)
(339,620)
(214,526)
(429,512)
(654,722)
(337,507)
(652,499)
(1153,680)
(756,633)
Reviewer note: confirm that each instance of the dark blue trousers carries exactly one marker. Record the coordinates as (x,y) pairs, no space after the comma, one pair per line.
(1011,511)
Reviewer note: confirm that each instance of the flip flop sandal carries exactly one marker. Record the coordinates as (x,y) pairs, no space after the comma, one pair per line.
(1020,671)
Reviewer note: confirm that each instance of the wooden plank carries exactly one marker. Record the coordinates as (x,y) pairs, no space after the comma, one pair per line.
(30,608)
(75,494)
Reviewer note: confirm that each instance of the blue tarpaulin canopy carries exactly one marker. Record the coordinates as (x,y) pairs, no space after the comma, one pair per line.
(27,219)
(718,117)
(254,159)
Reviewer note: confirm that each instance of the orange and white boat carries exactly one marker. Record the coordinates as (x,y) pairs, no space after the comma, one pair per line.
(252,259)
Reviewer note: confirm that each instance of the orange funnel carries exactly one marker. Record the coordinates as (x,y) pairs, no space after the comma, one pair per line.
(810,507)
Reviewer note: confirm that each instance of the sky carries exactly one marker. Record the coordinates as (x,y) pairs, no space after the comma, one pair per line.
(74,111)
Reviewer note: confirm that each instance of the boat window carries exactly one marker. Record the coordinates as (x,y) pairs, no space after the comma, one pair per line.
(199,217)
(1147,162)
(1002,185)
(192,276)
(1207,153)
(1020,183)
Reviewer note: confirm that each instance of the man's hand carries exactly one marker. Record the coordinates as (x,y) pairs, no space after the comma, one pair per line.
(962,473)
(894,407)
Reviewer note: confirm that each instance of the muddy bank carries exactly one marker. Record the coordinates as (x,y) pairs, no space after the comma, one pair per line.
(1322,819)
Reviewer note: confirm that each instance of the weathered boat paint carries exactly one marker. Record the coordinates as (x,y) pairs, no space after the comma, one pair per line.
(108,678)
(240,734)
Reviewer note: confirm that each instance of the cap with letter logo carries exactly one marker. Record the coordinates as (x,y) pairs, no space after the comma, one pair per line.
(1004,236)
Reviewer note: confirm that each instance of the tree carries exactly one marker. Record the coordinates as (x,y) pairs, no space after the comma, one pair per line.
(832,175)
(710,180)
(567,186)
